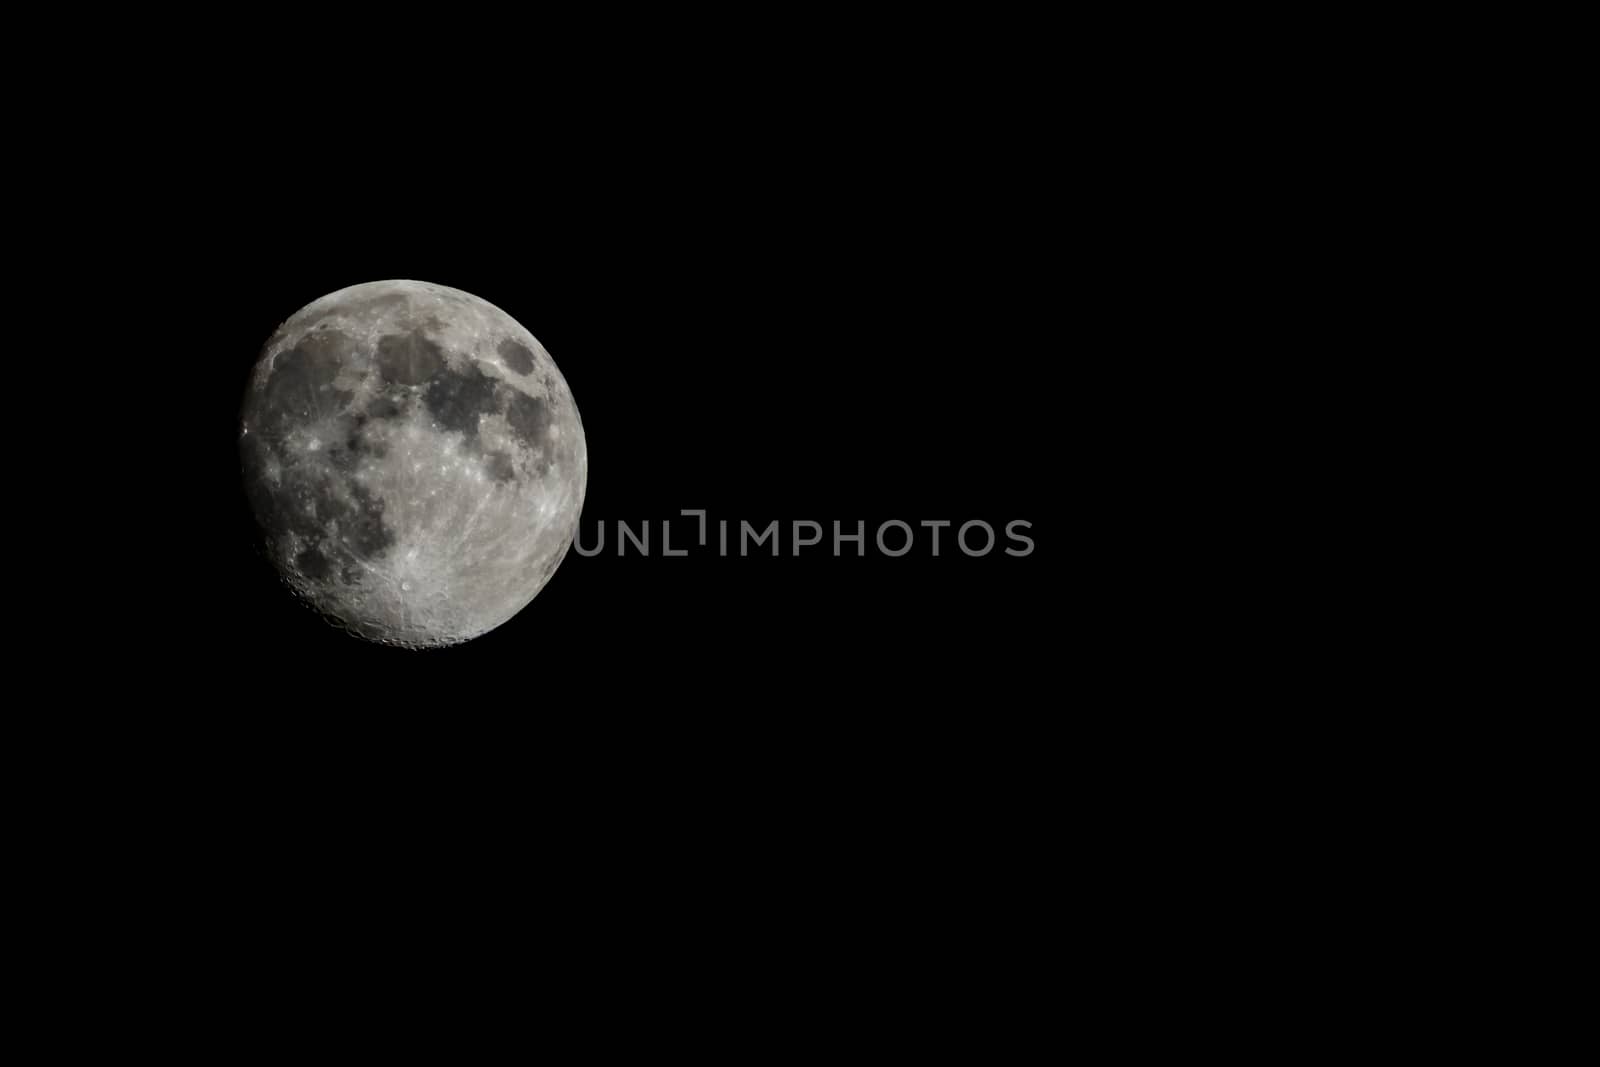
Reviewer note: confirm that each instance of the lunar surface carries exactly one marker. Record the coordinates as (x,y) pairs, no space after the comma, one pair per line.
(415,460)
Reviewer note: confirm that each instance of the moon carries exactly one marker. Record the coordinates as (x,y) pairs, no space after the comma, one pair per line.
(414,459)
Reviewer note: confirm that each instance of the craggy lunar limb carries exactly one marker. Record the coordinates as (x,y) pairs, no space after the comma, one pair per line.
(415,460)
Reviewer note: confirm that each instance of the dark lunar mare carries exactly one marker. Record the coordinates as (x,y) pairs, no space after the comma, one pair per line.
(309,503)
(456,398)
(409,358)
(312,495)
(500,466)
(519,357)
(350,445)
(301,385)
(529,417)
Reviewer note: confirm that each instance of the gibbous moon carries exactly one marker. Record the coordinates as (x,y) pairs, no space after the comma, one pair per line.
(415,461)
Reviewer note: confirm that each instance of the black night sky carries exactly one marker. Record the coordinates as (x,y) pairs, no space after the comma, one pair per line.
(787,320)
(771,303)
(1017,273)
(764,339)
